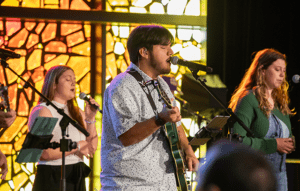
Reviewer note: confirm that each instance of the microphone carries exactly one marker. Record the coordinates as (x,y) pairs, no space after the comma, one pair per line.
(175,60)
(7,53)
(84,97)
(296,79)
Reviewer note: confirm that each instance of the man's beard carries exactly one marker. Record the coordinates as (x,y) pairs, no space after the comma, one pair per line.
(157,66)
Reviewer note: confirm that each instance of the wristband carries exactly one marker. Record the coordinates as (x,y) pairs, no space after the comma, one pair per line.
(90,122)
(159,121)
(78,146)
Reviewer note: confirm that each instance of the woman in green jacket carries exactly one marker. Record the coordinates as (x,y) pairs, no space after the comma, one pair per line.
(261,102)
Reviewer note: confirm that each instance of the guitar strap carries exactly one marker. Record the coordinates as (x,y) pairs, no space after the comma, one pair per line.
(144,86)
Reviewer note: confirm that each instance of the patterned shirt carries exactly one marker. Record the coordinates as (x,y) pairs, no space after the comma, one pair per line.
(146,165)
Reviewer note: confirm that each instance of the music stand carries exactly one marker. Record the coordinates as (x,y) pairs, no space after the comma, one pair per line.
(38,139)
(211,130)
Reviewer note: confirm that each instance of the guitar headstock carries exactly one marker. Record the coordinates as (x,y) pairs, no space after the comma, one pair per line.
(4,98)
(163,95)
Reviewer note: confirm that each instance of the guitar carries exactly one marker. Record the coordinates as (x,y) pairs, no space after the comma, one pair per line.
(172,136)
(4,96)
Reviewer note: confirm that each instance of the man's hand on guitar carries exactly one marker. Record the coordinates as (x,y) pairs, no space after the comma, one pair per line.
(170,115)
(192,162)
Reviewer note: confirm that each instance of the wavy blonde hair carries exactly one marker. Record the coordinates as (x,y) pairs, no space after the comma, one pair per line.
(51,78)
(253,80)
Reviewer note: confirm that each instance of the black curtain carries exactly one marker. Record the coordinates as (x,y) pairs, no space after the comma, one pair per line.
(238,28)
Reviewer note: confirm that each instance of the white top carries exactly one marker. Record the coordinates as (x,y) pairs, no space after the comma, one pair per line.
(73,133)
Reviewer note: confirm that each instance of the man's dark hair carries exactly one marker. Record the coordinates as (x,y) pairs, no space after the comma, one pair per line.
(233,166)
(147,36)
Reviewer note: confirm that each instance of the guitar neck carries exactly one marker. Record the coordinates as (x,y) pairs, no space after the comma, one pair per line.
(168,104)
(163,96)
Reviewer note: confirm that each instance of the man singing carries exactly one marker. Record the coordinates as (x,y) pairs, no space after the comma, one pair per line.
(135,153)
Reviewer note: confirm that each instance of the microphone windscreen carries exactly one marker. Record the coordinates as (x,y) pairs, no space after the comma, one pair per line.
(174,60)
(295,78)
(82,95)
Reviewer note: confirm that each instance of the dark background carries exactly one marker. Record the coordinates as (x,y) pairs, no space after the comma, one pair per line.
(236,29)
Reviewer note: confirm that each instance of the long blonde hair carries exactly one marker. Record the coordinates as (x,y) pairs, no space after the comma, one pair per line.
(51,78)
(253,80)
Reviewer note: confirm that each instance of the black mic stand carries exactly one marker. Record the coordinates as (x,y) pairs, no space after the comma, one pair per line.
(64,143)
(233,118)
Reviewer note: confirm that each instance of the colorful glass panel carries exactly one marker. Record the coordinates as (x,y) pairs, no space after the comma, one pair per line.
(75,38)
(12,26)
(18,40)
(32,40)
(34,59)
(56,46)
(60,60)
(68,28)
(79,5)
(40,27)
(1,25)
(49,33)
(30,25)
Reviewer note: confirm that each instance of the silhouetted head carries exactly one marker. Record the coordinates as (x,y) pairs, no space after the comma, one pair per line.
(233,166)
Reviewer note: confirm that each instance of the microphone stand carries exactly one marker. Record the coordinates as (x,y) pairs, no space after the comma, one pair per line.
(233,118)
(65,144)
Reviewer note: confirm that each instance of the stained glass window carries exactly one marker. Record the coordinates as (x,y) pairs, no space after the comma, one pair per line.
(50,4)
(170,7)
(41,46)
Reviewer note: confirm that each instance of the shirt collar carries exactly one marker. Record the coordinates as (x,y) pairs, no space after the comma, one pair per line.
(59,105)
(143,74)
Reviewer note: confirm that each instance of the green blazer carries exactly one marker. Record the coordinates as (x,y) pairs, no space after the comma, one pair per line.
(249,112)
